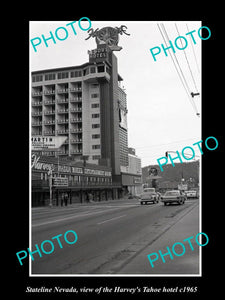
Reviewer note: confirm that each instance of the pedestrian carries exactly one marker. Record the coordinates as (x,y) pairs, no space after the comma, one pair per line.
(90,197)
(66,199)
(62,199)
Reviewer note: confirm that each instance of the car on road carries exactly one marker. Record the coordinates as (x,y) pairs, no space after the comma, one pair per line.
(173,196)
(149,195)
(191,194)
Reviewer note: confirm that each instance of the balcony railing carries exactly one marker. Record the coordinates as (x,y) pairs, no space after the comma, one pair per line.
(76,99)
(50,92)
(51,122)
(52,132)
(49,102)
(76,141)
(65,90)
(76,109)
(36,123)
(37,103)
(75,89)
(62,121)
(34,94)
(62,131)
(75,130)
(62,101)
(38,113)
(77,151)
(49,112)
(77,120)
(62,111)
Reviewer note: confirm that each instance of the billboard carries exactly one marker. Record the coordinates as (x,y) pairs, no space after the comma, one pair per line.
(47,142)
(60,181)
(122,118)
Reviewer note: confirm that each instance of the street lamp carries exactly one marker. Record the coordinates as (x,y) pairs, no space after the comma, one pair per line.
(50,188)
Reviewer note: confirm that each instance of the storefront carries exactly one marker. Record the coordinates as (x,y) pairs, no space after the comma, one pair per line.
(132,184)
(53,178)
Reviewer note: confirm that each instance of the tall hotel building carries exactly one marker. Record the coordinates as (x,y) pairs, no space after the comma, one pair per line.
(87,104)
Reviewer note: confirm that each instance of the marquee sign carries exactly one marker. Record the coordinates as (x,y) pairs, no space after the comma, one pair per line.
(47,142)
(108,36)
(98,53)
(60,181)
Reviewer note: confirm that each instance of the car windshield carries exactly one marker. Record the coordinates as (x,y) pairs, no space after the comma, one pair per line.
(172,193)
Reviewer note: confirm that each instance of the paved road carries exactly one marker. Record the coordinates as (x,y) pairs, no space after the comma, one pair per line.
(111,235)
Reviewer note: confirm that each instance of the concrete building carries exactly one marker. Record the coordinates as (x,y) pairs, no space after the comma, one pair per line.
(83,103)
(88,105)
(132,174)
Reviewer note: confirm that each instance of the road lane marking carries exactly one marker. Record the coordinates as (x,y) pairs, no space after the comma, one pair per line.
(71,217)
(111,219)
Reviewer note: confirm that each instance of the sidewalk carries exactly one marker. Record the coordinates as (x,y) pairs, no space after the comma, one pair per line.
(188,263)
(77,204)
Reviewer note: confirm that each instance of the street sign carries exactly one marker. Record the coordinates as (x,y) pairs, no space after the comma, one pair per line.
(60,181)
(47,142)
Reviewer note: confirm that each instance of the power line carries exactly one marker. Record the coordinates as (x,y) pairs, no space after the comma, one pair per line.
(180,73)
(165,144)
(194,52)
(173,61)
(192,76)
(165,32)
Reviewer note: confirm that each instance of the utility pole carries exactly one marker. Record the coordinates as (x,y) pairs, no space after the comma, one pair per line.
(50,188)
(84,158)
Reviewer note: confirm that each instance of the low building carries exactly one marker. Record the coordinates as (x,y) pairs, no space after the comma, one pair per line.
(132,174)
(77,179)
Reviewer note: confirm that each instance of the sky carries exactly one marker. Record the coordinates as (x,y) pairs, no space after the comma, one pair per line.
(161,116)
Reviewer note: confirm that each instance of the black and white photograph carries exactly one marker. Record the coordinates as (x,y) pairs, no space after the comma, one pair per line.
(115,170)
(123,189)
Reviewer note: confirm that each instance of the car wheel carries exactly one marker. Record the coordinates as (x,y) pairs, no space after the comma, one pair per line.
(165,203)
(142,203)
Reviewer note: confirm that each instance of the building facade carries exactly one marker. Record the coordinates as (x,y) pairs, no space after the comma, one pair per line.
(132,174)
(77,179)
(88,105)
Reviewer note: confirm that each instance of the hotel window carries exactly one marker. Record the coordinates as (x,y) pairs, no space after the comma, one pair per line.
(95,116)
(101,69)
(95,147)
(95,125)
(63,75)
(94,96)
(96,136)
(37,78)
(94,105)
(75,74)
(50,76)
(86,71)
(92,70)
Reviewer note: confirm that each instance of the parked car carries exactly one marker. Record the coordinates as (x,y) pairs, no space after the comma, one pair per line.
(173,196)
(191,194)
(149,195)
